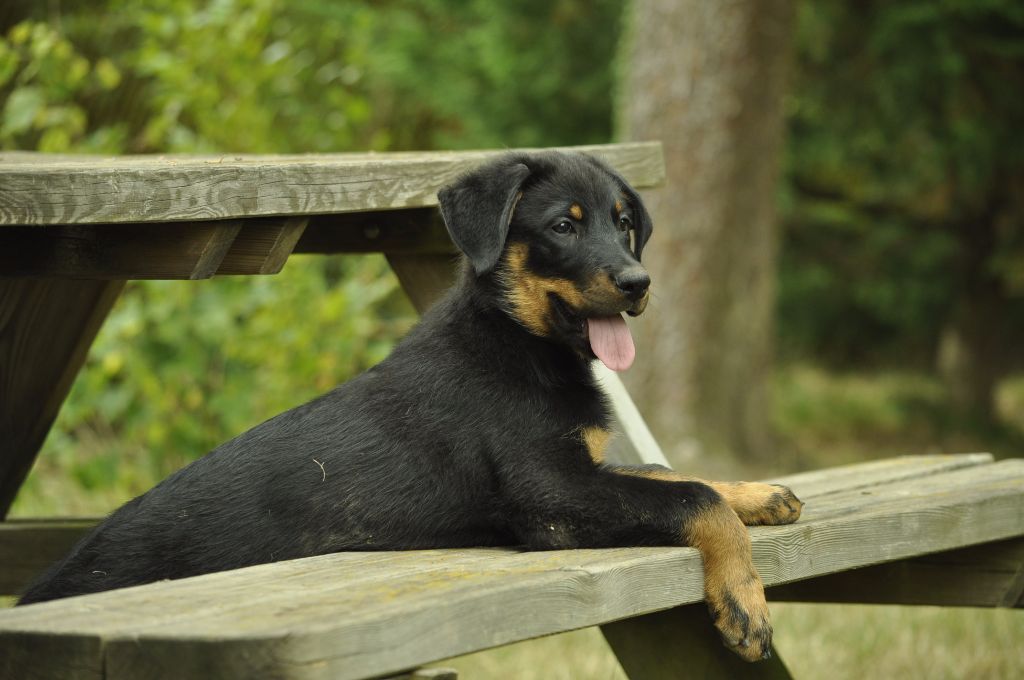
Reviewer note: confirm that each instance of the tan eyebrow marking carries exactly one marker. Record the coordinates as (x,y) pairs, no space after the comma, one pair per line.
(576,211)
(618,206)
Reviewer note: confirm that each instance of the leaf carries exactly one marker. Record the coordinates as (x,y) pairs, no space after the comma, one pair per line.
(23,106)
(108,74)
(8,63)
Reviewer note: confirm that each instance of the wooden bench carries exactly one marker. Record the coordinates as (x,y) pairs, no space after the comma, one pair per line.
(943,530)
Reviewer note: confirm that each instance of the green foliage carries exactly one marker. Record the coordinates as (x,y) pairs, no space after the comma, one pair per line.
(180,367)
(45,79)
(480,73)
(905,151)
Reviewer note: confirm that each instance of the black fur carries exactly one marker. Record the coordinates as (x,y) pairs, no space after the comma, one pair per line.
(468,434)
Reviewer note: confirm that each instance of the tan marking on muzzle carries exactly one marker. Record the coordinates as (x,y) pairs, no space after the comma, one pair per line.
(601,291)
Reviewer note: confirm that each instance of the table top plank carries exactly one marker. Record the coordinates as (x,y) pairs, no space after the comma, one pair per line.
(350,615)
(37,189)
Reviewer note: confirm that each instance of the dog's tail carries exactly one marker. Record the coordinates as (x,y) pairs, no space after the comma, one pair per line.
(79,572)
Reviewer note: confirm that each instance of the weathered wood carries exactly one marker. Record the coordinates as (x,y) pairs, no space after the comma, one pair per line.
(989,575)
(355,615)
(40,190)
(117,251)
(262,246)
(424,277)
(815,483)
(400,232)
(679,643)
(29,546)
(46,327)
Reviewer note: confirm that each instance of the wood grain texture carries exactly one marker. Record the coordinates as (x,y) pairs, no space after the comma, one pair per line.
(815,483)
(90,190)
(46,328)
(117,251)
(354,615)
(29,546)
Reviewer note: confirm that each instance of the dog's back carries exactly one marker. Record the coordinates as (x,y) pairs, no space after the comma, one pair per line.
(390,460)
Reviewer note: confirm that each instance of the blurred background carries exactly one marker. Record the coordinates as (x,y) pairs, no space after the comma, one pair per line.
(838,255)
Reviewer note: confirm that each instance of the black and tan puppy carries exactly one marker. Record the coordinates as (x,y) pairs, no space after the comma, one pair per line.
(483,427)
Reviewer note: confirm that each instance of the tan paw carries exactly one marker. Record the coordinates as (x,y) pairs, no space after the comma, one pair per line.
(761,504)
(740,614)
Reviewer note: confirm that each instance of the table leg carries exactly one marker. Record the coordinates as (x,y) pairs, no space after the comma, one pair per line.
(682,643)
(46,328)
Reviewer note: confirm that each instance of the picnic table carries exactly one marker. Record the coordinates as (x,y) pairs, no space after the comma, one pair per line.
(946,530)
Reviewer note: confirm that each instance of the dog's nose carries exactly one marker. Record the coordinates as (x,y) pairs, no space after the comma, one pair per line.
(633,282)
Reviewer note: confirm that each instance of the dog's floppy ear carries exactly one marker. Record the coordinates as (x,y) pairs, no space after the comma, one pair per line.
(478,207)
(642,223)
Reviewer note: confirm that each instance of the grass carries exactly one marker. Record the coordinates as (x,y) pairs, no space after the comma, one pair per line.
(823,419)
(827,419)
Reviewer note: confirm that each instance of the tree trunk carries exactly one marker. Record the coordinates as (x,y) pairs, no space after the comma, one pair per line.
(972,350)
(707,79)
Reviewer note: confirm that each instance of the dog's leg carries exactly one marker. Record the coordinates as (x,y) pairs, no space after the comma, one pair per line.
(608,509)
(732,586)
(755,503)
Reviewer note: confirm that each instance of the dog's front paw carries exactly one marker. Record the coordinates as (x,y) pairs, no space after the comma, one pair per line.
(740,614)
(762,504)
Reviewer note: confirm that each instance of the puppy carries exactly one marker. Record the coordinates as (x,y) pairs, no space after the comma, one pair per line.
(483,427)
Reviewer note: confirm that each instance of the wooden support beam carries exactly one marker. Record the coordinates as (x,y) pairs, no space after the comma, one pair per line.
(173,250)
(399,232)
(424,278)
(46,328)
(28,546)
(263,246)
(681,643)
(988,575)
(191,250)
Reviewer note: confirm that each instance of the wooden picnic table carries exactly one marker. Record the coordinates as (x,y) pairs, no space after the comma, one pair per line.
(934,529)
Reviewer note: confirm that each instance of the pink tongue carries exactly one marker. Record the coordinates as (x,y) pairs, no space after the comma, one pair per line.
(611,341)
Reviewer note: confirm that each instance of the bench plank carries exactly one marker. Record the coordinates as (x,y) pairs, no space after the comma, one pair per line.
(354,615)
(815,483)
(89,190)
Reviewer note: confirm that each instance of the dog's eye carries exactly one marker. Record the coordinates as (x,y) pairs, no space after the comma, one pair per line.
(625,223)
(563,227)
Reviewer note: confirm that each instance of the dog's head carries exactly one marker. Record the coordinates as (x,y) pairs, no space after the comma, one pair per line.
(560,236)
